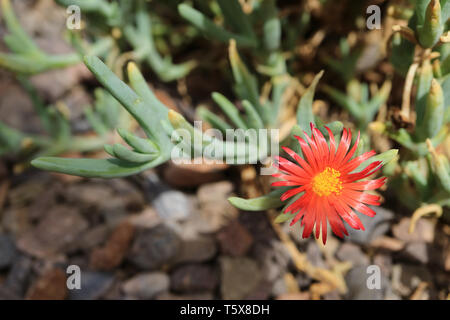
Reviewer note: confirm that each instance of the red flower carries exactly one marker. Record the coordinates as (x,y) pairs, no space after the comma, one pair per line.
(329,189)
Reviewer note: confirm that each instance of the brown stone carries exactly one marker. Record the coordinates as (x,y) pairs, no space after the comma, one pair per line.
(234,239)
(112,254)
(50,286)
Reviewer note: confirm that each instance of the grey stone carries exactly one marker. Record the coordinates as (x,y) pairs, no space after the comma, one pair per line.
(417,252)
(199,249)
(173,205)
(239,277)
(352,253)
(315,255)
(374,227)
(152,248)
(7,251)
(194,278)
(146,286)
(357,284)
(19,275)
(93,286)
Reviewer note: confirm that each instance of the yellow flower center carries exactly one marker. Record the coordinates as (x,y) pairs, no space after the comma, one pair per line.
(327,182)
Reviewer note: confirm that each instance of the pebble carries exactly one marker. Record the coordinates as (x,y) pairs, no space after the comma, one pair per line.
(171,205)
(357,279)
(50,286)
(294,296)
(198,249)
(273,259)
(19,275)
(148,218)
(314,255)
(112,254)
(374,227)
(417,252)
(152,248)
(146,286)
(234,239)
(424,231)
(93,285)
(7,251)
(352,253)
(186,297)
(215,210)
(239,277)
(56,233)
(194,278)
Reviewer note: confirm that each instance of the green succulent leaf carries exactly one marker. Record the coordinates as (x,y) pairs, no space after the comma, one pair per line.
(305,114)
(269,201)
(210,29)
(94,168)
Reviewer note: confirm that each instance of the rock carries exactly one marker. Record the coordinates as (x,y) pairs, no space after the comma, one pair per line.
(16,108)
(93,237)
(131,195)
(193,175)
(273,259)
(152,248)
(89,196)
(56,233)
(356,280)
(375,227)
(215,210)
(146,285)
(314,255)
(384,261)
(7,294)
(7,251)
(172,205)
(54,83)
(113,211)
(406,278)
(93,285)
(333,295)
(146,219)
(234,239)
(279,288)
(50,286)
(417,252)
(111,255)
(186,297)
(19,275)
(259,227)
(294,296)
(194,278)
(199,249)
(352,253)
(16,220)
(261,292)
(424,231)
(239,277)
